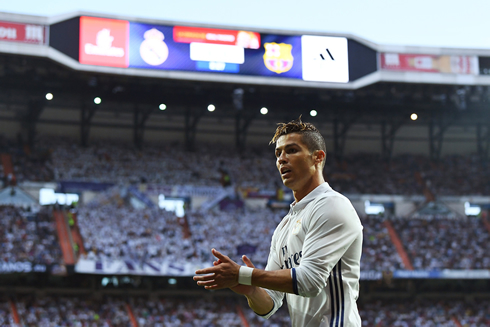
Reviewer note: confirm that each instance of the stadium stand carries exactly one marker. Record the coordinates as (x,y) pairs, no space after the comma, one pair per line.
(121,223)
(28,236)
(378,252)
(47,311)
(111,161)
(224,311)
(443,243)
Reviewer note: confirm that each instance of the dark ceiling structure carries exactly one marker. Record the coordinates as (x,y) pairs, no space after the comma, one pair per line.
(25,81)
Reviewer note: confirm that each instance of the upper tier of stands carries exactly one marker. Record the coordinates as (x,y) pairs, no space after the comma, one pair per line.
(54,159)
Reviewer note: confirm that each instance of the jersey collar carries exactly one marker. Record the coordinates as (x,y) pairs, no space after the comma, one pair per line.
(322,188)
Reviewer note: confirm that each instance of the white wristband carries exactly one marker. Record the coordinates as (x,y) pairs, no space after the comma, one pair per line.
(245,275)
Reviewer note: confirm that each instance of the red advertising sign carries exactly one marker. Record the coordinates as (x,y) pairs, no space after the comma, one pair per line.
(244,39)
(430,63)
(104,42)
(25,33)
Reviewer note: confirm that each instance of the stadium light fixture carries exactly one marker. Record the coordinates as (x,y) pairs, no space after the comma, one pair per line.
(313,113)
(264,111)
(162,106)
(211,108)
(49,96)
(97,100)
(414,116)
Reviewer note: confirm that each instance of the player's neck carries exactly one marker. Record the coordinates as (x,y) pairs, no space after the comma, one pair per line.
(312,184)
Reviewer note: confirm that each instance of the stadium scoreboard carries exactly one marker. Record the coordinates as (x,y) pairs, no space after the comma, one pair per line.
(157,49)
(119,43)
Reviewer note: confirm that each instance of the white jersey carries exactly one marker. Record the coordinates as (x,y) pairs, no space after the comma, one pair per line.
(320,240)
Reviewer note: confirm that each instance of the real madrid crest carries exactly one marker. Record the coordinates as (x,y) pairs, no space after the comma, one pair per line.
(278,57)
(153,50)
(297,227)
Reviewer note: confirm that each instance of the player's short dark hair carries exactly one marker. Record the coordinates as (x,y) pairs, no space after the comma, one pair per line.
(310,135)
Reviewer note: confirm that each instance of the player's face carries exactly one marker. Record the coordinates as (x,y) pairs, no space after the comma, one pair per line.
(294,161)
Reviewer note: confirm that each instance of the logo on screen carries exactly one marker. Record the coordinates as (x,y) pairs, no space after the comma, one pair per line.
(153,50)
(103,46)
(104,42)
(278,57)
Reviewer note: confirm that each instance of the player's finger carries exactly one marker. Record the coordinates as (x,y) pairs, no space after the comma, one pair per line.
(209,270)
(217,262)
(220,256)
(247,261)
(206,283)
(205,277)
(214,287)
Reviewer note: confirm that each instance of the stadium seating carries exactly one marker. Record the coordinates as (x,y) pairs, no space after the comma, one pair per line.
(174,311)
(104,161)
(28,236)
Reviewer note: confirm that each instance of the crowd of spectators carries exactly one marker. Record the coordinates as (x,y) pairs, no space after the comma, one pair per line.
(234,233)
(28,164)
(279,319)
(6,318)
(476,313)
(169,164)
(370,174)
(72,311)
(28,236)
(187,312)
(378,251)
(439,243)
(425,313)
(112,229)
(225,311)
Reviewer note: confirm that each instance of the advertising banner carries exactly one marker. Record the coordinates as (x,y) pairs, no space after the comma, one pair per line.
(147,268)
(443,274)
(243,39)
(187,268)
(104,42)
(325,59)
(22,267)
(371,275)
(429,63)
(24,33)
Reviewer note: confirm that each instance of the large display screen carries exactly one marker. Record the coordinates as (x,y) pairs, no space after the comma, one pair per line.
(120,43)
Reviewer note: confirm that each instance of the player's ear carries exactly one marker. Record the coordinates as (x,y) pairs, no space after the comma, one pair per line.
(319,156)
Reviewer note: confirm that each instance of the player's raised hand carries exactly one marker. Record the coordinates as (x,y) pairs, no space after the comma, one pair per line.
(223,274)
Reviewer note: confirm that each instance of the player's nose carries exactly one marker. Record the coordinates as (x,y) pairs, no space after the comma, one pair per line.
(281,159)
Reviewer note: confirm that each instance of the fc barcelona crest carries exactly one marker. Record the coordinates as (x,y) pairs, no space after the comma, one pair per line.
(278,57)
